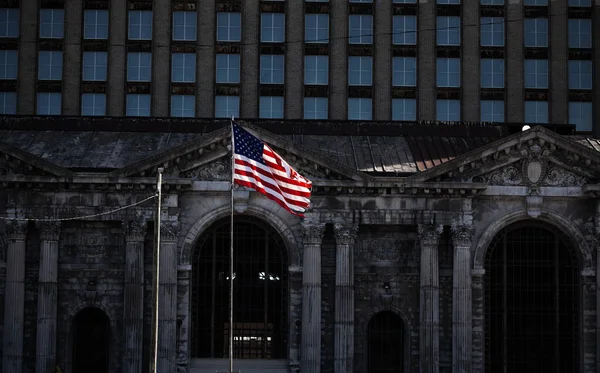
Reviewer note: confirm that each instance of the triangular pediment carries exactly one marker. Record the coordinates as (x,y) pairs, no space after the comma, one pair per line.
(536,157)
(18,163)
(209,159)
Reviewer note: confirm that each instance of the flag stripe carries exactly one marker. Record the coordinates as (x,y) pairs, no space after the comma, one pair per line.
(241,161)
(250,166)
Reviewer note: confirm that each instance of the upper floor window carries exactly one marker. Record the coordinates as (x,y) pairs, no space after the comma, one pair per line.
(94,66)
(535,2)
(492,2)
(138,105)
(361,1)
(8,103)
(50,65)
(492,73)
(183,67)
(227,106)
(536,111)
(360,29)
(228,68)
(184,26)
(448,1)
(448,72)
(404,1)
(448,30)
(404,109)
(580,74)
(536,32)
(317,1)
(95,24)
(448,110)
(93,104)
(271,107)
(272,27)
(580,33)
(49,103)
(8,64)
(52,22)
(404,71)
(360,70)
(183,106)
(360,109)
(139,67)
(492,111)
(405,30)
(316,70)
(315,107)
(9,23)
(140,25)
(580,2)
(229,26)
(271,69)
(316,28)
(492,31)
(536,74)
(580,114)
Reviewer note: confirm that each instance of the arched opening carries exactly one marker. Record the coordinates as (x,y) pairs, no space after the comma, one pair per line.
(260,292)
(531,301)
(91,341)
(386,343)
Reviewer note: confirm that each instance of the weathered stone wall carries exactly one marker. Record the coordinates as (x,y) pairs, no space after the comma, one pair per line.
(328,261)
(32,269)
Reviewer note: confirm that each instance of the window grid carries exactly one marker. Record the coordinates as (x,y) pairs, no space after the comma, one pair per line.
(360,109)
(229,26)
(94,66)
(8,103)
(8,65)
(228,68)
(183,68)
(271,69)
(183,106)
(140,25)
(492,73)
(580,114)
(492,31)
(360,29)
(535,2)
(271,107)
(49,103)
(50,65)
(227,106)
(404,71)
(580,74)
(448,110)
(9,23)
(448,72)
(492,111)
(272,28)
(448,30)
(184,26)
(536,111)
(95,24)
(139,67)
(138,105)
(316,70)
(93,104)
(316,29)
(52,23)
(536,74)
(316,107)
(405,30)
(580,33)
(582,3)
(360,70)
(536,32)
(404,109)
(492,2)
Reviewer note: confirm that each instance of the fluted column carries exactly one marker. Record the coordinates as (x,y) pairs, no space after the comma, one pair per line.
(135,233)
(14,297)
(462,306)
(429,299)
(167,307)
(311,298)
(345,237)
(47,297)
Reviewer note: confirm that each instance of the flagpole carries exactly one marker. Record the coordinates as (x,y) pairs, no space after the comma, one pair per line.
(155,280)
(231,255)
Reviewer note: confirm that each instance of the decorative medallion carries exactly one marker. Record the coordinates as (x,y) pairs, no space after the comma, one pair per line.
(534,171)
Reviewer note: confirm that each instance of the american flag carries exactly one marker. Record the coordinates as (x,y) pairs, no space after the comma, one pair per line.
(257,166)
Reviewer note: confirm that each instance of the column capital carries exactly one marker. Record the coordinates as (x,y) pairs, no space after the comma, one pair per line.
(49,230)
(312,232)
(462,235)
(345,234)
(135,230)
(169,230)
(429,234)
(16,230)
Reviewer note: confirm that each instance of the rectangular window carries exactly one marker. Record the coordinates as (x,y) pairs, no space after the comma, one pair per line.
(448,30)
(580,114)
(95,24)
(183,106)
(271,107)
(448,1)
(361,1)
(492,73)
(316,28)
(580,3)
(536,32)
(536,111)
(138,105)
(183,67)
(9,23)
(360,70)
(580,74)
(229,26)
(94,66)
(405,30)
(492,2)
(492,31)
(272,27)
(404,1)
(404,71)
(8,103)
(580,33)
(227,106)
(535,2)
(360,109)
(184,26)
(139,67)
(93,104)
(8,64)
(52,23)
(492,111)
(316,108)
(448,110)
(404,109)
(228,68)
(49,103)
(448,72)
(50,65)
(316,70)
(536,74)
(271,69)
(140,25)
(360,29)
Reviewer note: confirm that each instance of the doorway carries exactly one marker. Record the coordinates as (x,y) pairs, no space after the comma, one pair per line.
(91,341)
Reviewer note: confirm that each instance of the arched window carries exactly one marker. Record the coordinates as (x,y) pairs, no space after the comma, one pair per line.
(260,292)
(91,341)
(532,302)
(386,343)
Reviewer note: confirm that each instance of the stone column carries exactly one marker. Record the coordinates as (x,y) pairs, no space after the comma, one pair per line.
(429,305)
(311,298)
(478,317)
(47,297)
(345,237)
(167,307)
(14,297)
(135,233)
(462,306)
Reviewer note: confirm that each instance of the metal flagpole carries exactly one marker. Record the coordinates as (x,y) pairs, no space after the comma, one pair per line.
(231,255)
(155,279)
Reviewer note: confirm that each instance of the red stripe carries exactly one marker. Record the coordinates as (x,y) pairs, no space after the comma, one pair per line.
(272,187)
(275,186)
(279,202)
(274,176)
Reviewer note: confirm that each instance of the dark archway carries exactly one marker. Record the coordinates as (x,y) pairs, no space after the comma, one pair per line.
(531,301)
(91,341)
(260,292)
(386,343)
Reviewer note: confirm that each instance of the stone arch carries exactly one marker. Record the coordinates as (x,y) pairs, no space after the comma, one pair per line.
(573,233)
(406,334)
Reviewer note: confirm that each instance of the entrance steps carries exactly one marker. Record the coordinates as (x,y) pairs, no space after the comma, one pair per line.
(241,366)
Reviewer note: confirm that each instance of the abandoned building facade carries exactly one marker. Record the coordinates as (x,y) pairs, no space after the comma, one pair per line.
(427,248)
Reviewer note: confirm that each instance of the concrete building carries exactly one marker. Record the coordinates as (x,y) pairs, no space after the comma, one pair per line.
(487,60)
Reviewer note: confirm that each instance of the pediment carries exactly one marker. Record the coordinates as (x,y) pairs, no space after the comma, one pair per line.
(18,163)
(537,157)
(209,159)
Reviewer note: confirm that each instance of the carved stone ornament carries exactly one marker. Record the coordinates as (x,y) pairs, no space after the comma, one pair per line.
(508,175)
(49,230)
(561,177)
(135,230)
(534,205)
(462,235)
(345,234)
(429,234)
(215,171)
(169,230)
(312,233)
(398,251)
(3,247)
(16,230)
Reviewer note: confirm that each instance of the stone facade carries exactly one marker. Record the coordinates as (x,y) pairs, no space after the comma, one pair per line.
(414,245)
